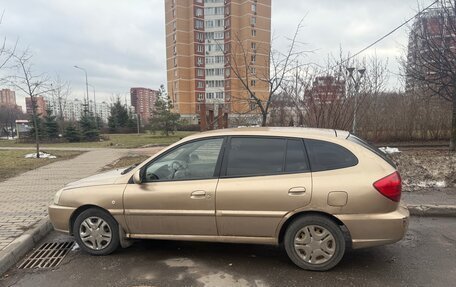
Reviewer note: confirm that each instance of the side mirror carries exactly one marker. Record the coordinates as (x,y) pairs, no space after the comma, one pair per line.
(137,177)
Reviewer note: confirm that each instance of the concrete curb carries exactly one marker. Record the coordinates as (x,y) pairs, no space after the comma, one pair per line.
(23,244)
(432,210)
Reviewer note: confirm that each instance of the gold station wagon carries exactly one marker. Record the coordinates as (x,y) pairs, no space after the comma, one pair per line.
(315,191)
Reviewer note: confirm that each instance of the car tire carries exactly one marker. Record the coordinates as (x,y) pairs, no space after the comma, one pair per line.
(96,232)
(314,243)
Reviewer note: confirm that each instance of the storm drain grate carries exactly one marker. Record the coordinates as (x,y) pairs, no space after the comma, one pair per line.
(48,255)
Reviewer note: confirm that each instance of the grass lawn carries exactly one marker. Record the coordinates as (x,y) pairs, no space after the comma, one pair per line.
(12,162)
(126,161)
(115,141)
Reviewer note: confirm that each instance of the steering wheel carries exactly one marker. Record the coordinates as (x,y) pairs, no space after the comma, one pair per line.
(175,166)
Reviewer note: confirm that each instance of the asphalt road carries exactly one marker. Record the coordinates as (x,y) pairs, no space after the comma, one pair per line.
(427,256)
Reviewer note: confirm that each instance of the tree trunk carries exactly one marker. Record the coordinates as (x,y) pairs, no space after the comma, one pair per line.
(453,126)
(264,119)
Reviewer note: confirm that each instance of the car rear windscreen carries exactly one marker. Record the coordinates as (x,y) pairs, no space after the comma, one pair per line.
(372,148)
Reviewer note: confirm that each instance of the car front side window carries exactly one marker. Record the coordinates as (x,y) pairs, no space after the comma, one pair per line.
(194,160)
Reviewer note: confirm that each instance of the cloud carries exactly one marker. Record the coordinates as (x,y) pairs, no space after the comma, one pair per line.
(122,43)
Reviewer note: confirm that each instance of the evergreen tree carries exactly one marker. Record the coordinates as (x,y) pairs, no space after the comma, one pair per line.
(72,134)
(120,117)
(162,117)
(50,126)
(89,131)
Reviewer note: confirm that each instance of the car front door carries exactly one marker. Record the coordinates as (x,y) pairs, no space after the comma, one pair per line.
(177,193)
(262,179)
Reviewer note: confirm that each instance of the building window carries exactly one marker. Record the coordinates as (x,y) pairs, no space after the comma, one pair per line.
(200,36)
(174,13)
(253,83)
(174,37)
(199,61)
(253,33)
(253,58)
(200,84)
(200,72)
(198,12)
(174,25)
(209,24)
(253,21)
(227,72)
(253,70)
(254,8)
(200,48)
(175,62)
(253,45)
(200,97)
(199,24)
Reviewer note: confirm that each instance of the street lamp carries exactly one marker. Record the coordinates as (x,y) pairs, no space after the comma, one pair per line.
(356,81)
(87,83)
(94,105)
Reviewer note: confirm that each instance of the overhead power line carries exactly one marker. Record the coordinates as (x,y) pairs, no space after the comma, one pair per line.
(387,34)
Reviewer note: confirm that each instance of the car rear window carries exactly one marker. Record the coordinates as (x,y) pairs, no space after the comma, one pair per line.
(296,159)
(325,155)
(372,148)
(255,156)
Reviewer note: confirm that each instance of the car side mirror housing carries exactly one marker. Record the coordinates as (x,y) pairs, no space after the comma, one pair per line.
(137,178)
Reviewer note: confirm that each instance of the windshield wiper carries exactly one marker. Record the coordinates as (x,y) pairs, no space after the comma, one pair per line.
(128,169)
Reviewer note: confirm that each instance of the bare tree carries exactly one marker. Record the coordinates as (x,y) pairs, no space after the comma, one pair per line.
(32,84)
(60,92)
(323,96)
(243,62)
(431,61)
(6,53)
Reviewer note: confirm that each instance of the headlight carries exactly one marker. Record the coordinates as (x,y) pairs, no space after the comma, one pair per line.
(57,197)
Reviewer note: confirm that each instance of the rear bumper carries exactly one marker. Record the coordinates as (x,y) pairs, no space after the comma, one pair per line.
(367,230)
(60,217)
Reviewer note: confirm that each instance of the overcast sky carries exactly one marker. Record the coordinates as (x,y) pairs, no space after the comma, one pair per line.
(122,43)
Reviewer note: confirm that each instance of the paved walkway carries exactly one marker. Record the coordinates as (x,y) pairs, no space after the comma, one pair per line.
(24,199)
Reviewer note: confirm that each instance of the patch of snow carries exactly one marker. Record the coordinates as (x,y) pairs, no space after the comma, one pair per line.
(389,150)
(42,155)
(430,183)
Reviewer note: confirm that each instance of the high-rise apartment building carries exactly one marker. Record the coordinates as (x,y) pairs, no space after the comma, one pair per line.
(7,98)
(40,105)
(210,44)
(431,42)
(143,100)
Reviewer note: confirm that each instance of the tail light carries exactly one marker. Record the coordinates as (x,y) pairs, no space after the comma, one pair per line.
(390,186)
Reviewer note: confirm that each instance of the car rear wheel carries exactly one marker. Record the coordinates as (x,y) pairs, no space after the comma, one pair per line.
(96,232)
(314,243)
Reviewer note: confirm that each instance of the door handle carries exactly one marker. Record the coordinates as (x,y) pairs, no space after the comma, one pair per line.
(296,190)
(197,194)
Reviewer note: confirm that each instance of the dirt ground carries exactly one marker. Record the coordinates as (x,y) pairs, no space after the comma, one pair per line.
(423,168)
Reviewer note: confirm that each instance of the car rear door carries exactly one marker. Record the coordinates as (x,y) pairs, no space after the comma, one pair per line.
(262,179)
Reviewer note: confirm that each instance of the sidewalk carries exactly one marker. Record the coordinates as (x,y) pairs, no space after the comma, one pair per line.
(431,202)
(24,198)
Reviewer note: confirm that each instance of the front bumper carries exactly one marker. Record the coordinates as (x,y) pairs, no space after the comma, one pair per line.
(60,217)
(367,230)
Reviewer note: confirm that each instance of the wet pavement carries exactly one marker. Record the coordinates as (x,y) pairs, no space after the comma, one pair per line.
(427,256)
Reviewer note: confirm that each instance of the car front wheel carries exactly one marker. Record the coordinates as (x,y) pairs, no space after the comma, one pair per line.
(314,243)
(96,232)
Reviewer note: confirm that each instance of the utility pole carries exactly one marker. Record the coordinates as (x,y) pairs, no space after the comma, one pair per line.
(356,81)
